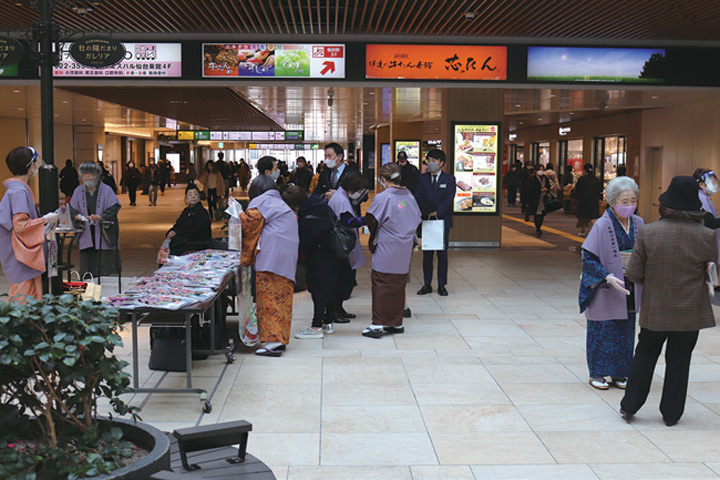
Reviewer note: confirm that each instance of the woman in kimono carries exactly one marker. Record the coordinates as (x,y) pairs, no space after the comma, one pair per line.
(393,219)
(95,205)
(270,242)
(708,186)
(609,300)
(192,229)
(22,230)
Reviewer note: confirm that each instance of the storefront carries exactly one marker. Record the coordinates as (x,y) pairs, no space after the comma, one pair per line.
(541,153)
(609,154)
(570,152)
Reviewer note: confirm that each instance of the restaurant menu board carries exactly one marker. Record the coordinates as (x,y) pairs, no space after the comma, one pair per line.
(145,60)
(475,152)
(273,60)
(411,148)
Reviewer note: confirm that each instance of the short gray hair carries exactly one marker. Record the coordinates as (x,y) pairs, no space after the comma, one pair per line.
(618,185)
(260,185)
(90,167)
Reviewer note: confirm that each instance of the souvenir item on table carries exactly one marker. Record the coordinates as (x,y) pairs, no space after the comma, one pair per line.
(248,327)
(163,252)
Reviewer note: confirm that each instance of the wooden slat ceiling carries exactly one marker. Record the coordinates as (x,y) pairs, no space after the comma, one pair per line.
(212,107)
(559,19)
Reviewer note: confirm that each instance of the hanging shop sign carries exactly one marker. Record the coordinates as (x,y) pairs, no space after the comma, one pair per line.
(436,62)
(562,131)
(11,51)
(475,166)
(236,136)
(273,60)
(146,60)
(97,52)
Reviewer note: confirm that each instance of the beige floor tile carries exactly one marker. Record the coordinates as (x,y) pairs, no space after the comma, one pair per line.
(554,331)
(480,328)
(353,340)
(373,448)
(534,472)
(364,371)
(350,473)
(696,417)
(653,471)
(455,342)
(569,418)
(490,448)
(687,445)
(513,360)
(372,419)
(705,373)
(714,466)
(281,373)
(285,448)
(594,446)
(473,418)
(459,394)
(169,426)
(455,370)
(715,407)
(442,473)
(531,374)
(370,395)
(558,393)
(275,419)
(271,396)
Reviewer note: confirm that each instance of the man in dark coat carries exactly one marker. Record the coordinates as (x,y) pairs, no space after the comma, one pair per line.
(336,169)
(409,173)
(525,174)
(589,192)
(301,176)
(511,181)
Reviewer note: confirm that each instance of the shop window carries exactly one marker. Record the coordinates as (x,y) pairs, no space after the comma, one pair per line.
(517,153)
(541,153)
(610,153)
(570,153)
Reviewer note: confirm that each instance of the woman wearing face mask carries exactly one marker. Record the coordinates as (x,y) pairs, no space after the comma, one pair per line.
(213,181)
(22,230)
(131,179)
(708,186)
(608,299)
(95,205)
(191,231)
(538,187)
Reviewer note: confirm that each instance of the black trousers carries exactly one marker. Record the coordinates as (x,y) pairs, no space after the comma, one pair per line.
(678,353)
(539,218)
(442,263)
(132,193)
(212,199)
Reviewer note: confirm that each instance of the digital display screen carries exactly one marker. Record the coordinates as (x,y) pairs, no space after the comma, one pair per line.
(385,154)
(475,166)
(145,60)
(411,148)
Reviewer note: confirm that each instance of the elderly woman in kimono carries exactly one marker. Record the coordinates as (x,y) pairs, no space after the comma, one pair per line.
(95,205)
(609,300)
(393,219)
(22,230)
(270,242)
(708,186)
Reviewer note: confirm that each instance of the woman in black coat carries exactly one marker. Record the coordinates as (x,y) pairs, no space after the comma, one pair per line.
(192,229)
(69,180)
(131,179)
(589,191)
(538,186)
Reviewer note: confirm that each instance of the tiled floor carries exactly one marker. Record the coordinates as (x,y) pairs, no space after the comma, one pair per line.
(487,383)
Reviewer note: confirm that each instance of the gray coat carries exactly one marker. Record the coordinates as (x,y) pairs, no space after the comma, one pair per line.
(669,259)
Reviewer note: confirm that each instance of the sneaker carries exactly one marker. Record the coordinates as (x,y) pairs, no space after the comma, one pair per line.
(599,383)
(619,382)
(328,329)
(310,332)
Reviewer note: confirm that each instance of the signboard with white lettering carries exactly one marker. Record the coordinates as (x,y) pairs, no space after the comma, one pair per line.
(97,52)
(11,51)
(146,60)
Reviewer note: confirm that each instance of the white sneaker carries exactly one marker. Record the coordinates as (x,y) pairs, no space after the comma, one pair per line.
(328,329)
(598,383)
(310,332)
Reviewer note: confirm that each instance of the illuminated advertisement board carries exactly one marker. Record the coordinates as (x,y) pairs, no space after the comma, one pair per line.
(9,71)
(146,60)
(273,60)
(580,64)
(475,166)
(436,62)
(411,148)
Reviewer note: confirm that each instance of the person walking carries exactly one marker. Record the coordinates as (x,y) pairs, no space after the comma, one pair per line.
(670,261)
(393,219)
(152,178)
(270,242)
(243,174)
(164,172)
(69,180)
(336,168)
(511,180)
(435,193)
(588,190)
(608,299)
(525,173)
(131,179)
(213,184)
(408,172)
(538,188)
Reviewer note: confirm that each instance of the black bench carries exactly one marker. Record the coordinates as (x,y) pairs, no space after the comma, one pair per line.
(207,437)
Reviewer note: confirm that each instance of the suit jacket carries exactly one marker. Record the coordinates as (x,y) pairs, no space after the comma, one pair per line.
(439,199)
(669,259)
(325,183)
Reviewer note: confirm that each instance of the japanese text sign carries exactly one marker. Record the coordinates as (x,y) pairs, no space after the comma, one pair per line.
(146,60)
(436,62)
(11,51)
(97,52)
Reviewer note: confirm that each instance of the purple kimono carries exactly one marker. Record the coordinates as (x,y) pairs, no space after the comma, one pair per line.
(279,238)
(398,217)
(708,206)
(106,198)
(340,203)
(17,199)
(608,303)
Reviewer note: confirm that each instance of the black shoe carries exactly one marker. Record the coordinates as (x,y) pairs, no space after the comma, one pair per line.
(342,313)
(625,415)
(270,352)
(394,329)
(442,291)
(338,319)
(425,290)
(407,313)
(669,423)
(538,232)
(372,333)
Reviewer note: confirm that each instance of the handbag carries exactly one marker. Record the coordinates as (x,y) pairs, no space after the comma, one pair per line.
(433,235)
(342,238)
(552,203)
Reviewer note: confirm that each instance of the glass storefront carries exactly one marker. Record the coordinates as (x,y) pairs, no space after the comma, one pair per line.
(541,153)
(610,153)
(517,153)
(570,153)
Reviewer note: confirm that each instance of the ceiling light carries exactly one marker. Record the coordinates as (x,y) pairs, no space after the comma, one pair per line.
(517,105)
(469,15)
(539,119)
(572,113)
(65,101)
(16,91)
(520,123)
(654,97)
(20,108)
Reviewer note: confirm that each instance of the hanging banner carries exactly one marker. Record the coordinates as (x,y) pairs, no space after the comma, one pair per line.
(145,60)
(97,52)
(436,62)
(11,51)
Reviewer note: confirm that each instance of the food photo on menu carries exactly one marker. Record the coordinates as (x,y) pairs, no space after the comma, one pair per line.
(464,181)
(483,200)
(464,162)
(463,202)
(484,181)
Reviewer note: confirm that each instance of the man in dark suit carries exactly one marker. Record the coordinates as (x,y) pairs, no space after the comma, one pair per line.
(435,193)
(336,169)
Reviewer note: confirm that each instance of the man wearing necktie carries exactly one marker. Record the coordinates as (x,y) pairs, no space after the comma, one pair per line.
(336,169)
(435,193)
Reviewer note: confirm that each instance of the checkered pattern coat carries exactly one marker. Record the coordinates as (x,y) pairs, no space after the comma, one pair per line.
(669,259)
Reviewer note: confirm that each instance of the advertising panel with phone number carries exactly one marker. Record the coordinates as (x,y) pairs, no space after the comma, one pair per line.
(475,165)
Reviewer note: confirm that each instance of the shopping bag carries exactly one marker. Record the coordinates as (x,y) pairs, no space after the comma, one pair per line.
(234,209)
(248,326)
(93,291)
(433,235)
(163,253)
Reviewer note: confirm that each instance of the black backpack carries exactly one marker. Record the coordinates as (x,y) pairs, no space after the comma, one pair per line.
(342,238)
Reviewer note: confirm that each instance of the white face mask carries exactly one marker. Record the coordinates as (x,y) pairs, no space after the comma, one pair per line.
(275,174)
(434,166)
(356,195)
(331,163)
(540,173)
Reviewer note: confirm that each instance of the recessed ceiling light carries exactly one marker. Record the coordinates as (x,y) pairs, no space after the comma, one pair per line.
(654,97)
(65,101)
(520,123)
(20,108)
(539,119)
(84,120)
(517,105)
(572,113)
(16,91)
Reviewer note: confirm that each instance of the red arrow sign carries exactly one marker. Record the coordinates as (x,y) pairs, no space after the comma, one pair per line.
(329,67)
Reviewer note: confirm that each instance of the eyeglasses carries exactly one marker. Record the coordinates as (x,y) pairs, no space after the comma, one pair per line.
(34,157)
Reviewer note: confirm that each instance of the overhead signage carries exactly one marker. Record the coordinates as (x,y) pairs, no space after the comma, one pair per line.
(9,71)
(233,136)
(294,135)
(581,64)
(475,151)
(562,131)
(436,62)
(273,60)
(11,51)
(411,149)
(97,52)
(146,60)
(284,146)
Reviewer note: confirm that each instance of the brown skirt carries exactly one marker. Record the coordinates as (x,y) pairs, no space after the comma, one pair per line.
(388,298)
(274,295)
